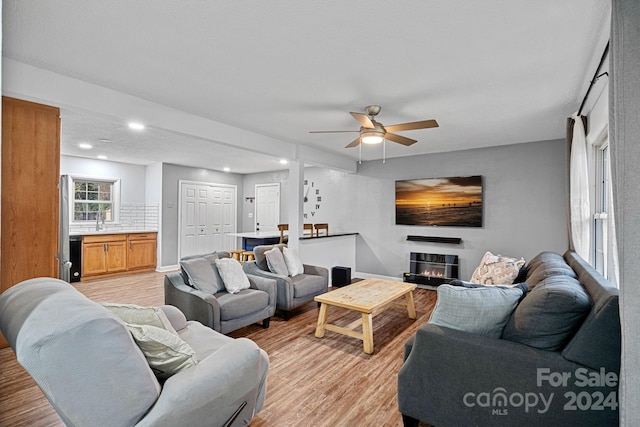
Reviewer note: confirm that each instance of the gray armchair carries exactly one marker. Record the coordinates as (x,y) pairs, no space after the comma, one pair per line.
(88,365)
(294,291)
(217,308)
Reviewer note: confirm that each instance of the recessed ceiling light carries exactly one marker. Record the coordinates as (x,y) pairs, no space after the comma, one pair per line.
(226,169)
(105,140)
(283,161)
(85,146)
(102,157)
(136,126)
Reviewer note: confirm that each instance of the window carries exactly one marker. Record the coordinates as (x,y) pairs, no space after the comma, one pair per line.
(601,212)
(604,242)
(95,200)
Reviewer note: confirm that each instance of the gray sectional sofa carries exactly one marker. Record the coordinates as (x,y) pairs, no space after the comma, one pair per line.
(557,362)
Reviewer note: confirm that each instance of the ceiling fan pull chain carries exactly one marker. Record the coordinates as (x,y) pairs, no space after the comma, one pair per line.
(360,149)
(384,150)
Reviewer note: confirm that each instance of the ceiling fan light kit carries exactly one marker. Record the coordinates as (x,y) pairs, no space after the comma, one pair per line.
(373,132)
(372,137)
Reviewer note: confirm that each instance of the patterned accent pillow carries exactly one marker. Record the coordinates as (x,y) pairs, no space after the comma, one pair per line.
(496,270)
(275,262)
(292,259)
(234,278)
(482,311)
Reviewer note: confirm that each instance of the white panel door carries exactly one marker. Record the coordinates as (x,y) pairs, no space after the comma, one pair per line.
(216,218)
(228,218)
(208,214)
(267,207)
(189,220)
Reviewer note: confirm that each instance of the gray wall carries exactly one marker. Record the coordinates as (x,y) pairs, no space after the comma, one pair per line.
(171,174)
(132,177)
(524,205)
(249,190)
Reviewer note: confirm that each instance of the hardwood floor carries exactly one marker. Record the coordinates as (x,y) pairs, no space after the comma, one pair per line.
(312,381)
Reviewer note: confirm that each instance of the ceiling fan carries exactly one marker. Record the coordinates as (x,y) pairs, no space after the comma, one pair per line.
(373,132)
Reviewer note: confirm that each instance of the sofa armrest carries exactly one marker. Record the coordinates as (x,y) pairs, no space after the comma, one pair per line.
(176,317)
(210,392)
(195,304)
(317,271)
(446,370)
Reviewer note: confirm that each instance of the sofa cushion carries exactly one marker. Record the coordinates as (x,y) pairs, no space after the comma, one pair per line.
(479,310)
(276,262)
(233,277)
(165,352)
(307,284)
(137,315)
(203,273)
(546,257)
(496,269)
(550,314)
(242,303)
(541,272)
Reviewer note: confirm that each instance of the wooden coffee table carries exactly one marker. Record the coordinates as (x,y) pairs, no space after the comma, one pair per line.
(368,297)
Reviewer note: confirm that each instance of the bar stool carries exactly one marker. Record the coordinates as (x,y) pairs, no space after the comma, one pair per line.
(308,227)
(283,228)
(236,254)
(247,256)
(322,226)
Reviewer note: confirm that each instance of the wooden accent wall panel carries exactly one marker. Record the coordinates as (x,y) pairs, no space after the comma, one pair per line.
(30,197)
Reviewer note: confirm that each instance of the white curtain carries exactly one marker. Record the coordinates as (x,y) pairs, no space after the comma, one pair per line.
(579,191)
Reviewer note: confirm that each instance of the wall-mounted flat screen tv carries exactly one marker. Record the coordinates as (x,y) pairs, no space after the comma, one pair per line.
(447,202)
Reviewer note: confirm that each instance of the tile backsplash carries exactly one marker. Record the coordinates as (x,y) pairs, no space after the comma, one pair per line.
(133,217)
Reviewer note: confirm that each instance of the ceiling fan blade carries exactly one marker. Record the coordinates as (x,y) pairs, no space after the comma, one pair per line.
(363,119)
(424,124)
(399,139)
(353,143)
(332,131)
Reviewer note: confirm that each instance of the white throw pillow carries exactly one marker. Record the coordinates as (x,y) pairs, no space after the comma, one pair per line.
(275,261)
(233,276)
(482,311)
(496,270)
(165,352)
(292,259)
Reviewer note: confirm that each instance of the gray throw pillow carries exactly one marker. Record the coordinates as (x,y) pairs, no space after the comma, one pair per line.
(203,274)
(276,262)
(480,310)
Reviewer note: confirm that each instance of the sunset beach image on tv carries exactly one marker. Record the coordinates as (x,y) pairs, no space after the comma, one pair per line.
(452,202)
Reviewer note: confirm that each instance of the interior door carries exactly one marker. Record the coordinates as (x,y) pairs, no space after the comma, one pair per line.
(208,214)
(267,207)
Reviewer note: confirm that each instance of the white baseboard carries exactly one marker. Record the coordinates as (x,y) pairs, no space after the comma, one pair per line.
(167,268)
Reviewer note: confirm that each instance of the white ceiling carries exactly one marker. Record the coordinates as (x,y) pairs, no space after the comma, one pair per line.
(492,72)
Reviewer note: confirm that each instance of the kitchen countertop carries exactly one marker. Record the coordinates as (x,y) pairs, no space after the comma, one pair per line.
(94,232)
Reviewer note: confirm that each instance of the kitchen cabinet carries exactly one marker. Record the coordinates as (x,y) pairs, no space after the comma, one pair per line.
(30,196)
(104,254)
(142,251)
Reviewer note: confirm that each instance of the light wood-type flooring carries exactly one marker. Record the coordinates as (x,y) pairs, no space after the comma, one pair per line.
(312,381)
